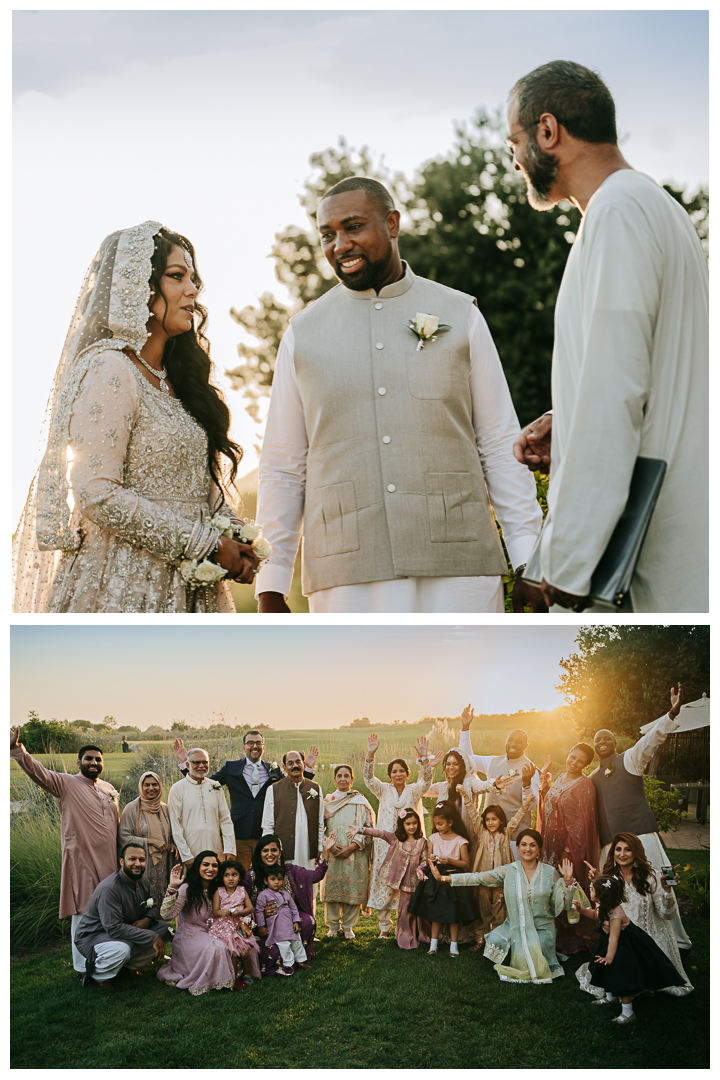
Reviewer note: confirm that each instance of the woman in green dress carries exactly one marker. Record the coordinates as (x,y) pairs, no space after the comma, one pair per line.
(345,887)
(534,894)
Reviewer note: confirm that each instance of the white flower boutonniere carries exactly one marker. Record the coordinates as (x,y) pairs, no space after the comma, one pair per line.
(273,764)
(113,795)
(148,903)
(426,328)
(312,793)
(610,771)
(215,785)
(514,772)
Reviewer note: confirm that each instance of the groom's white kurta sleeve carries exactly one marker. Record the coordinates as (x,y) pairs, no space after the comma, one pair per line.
(637,757)
(283,461)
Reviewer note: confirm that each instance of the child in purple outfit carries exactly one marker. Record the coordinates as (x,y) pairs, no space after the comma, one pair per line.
(282,928)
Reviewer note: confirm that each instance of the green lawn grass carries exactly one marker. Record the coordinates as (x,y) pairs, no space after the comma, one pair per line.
(365,1004)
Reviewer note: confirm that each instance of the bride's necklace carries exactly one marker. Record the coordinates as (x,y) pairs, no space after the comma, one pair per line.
(161,374)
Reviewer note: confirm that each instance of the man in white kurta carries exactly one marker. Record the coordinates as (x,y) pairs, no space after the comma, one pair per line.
(511,763)
(383,455)
(199,812)
(630,367)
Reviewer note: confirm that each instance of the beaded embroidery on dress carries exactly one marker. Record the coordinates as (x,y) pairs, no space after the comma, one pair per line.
(110,539)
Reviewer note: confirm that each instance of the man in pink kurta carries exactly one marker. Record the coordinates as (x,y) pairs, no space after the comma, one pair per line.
(89,823)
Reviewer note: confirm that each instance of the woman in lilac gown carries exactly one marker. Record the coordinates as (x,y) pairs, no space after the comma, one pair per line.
(199,962)
(298,882)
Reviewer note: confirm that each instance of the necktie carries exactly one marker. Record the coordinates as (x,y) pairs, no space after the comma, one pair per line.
(255,779)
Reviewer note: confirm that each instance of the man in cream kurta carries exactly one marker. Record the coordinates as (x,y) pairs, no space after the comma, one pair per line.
(383,454)
(199,812)
(630,363)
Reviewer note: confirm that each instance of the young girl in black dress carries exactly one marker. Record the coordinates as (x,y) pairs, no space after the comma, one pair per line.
(435,900)
(627,960)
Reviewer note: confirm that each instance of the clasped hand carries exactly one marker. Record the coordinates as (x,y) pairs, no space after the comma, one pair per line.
(238,559)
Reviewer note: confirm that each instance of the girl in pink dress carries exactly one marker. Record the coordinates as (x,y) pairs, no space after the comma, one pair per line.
(434,900)
(407,851)
(231,908)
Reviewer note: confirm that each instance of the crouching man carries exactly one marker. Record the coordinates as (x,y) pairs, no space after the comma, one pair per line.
(120,927)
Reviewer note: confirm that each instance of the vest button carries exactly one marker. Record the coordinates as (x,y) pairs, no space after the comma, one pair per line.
(391,487)
(382,391)
(378,307)
(386,439)
(379,345)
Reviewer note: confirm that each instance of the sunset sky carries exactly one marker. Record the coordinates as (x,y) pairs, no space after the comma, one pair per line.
(316,677)
(206,121)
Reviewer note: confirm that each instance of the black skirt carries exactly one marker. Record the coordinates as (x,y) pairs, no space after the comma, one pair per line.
(638,964)
(438,901)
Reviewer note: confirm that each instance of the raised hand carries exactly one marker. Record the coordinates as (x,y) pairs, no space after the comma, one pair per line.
(372,745)
(501,782)
(467,717)
(352,831)
(461,791)
(567,870)
(176,875)
(592,872)
(421,746)
(675,700)
(180,751)
(528,771)
(528,800)
(328,844)
(14,736)
(436,758)
(311,759)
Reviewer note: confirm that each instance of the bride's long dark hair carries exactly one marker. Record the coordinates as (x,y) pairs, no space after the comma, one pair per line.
(187,362)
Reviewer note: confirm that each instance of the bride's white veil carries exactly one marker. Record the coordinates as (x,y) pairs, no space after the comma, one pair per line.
(111,312)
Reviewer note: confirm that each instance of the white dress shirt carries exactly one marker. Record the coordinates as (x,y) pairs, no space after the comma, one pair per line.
(302,843)
(283,461)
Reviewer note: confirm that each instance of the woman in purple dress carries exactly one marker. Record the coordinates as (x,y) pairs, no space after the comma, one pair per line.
(199,961)
(298,882)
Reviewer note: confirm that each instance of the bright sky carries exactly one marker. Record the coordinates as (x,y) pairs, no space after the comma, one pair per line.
(320,677)
(206,121)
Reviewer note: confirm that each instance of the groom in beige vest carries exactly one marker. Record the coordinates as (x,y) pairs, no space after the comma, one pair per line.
(381,452)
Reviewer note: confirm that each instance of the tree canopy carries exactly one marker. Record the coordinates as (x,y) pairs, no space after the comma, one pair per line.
(620,677)
(466,222)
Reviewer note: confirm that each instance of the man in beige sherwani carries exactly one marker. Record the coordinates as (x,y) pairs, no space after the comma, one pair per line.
(199,812)
(89,828)
(385,445)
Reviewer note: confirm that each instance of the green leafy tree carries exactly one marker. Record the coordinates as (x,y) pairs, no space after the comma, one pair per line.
(48,736)
(620,677)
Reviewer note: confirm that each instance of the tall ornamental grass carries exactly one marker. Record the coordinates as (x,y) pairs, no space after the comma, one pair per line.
(35,865)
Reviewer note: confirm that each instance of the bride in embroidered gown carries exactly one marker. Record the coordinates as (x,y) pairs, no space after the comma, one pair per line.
(131,474)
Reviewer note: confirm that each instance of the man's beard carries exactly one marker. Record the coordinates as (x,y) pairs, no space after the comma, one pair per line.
(540,172)
(371,276)
(85,770)
(134,875)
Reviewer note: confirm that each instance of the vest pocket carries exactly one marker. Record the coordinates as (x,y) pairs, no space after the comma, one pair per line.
(430,373)
(339,516)
(449,496)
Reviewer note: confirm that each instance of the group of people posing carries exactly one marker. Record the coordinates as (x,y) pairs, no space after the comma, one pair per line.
(242,881)
(392,443)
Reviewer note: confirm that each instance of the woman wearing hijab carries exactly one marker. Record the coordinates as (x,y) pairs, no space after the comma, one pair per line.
(345,886)
(146,821)
(132,475)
